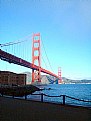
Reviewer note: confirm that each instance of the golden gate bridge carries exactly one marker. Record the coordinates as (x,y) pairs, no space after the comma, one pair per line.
(36,56)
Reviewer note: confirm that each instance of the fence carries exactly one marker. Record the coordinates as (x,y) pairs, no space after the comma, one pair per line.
(63,98)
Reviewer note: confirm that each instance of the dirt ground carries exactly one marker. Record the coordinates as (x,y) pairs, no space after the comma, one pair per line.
(24,110)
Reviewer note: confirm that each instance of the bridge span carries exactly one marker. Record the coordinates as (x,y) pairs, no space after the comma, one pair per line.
(19,61)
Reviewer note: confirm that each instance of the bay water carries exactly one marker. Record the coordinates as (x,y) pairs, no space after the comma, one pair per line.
(78,91)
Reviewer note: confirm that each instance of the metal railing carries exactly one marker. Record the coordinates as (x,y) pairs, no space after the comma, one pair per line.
(63,98)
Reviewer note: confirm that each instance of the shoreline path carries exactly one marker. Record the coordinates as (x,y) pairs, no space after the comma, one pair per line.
(24,110)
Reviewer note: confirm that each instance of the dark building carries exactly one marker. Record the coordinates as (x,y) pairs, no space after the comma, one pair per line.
(7,77)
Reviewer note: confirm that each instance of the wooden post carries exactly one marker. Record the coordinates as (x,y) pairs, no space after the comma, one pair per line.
(41,97)
(63,99)
(13,94)
(2,93)
(25,96)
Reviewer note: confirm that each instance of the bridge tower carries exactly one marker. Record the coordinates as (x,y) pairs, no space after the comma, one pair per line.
(36,57)
(59,75)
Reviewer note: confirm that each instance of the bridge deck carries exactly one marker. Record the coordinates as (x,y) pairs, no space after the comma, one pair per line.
(19,61)
(23,110)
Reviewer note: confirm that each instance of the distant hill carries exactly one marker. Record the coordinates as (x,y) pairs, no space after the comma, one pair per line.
(65,80)
(46,79)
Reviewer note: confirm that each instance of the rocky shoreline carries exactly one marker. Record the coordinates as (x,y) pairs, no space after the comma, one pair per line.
(18,90)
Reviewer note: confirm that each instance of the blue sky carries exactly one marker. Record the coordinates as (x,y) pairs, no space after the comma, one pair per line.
(65,27)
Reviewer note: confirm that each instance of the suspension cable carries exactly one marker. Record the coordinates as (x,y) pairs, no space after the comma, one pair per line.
(47,56)
(20,41)
(44,61)
(15,42)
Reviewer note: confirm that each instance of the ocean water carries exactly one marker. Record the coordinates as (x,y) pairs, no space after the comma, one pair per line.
(79,91)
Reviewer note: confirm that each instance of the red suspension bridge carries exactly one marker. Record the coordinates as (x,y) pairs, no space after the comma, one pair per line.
(36,56)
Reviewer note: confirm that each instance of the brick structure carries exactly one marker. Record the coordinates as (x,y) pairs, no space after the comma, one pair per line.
(7,77)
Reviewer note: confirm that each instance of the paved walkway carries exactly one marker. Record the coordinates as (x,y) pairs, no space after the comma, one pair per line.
(23,110)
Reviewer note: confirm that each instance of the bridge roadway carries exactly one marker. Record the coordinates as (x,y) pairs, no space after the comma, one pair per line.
(19,61)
